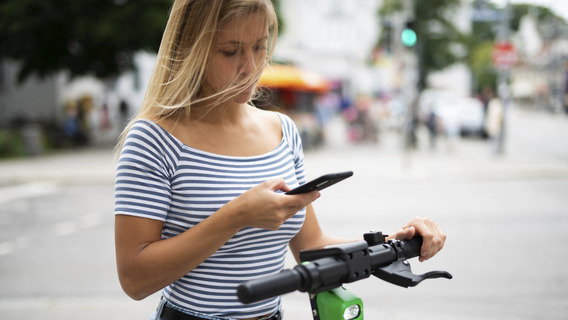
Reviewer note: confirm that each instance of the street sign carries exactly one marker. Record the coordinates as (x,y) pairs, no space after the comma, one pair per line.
(486,15)
(504,55)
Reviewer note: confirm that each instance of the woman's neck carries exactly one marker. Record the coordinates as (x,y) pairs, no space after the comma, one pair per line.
(226,113)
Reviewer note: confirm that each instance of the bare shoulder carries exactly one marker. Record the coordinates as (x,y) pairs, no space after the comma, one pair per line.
(269,118)
(162,122)
(170,124)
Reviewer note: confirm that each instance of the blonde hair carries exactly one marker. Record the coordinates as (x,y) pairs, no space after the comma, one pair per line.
(176,83)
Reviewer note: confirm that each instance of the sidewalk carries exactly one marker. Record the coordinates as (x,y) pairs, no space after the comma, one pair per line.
(468,159)
(79,166)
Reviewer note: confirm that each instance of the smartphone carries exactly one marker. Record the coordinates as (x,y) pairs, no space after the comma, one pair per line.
(321,182)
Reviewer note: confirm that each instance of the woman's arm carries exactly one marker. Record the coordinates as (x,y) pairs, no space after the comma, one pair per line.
(146,263)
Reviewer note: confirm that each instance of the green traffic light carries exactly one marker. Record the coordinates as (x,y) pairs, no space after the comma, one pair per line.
(408,37)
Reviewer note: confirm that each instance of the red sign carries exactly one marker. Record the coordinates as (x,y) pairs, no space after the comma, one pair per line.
(504,55)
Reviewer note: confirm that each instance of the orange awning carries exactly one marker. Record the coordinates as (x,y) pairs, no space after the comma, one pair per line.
(292,78)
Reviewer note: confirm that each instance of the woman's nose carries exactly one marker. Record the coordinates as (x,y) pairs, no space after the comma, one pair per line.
(248,62)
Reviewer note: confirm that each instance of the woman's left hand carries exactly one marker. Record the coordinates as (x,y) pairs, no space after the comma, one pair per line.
(433,238)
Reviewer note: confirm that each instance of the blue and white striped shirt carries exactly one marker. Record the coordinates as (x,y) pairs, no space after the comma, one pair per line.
(158,177)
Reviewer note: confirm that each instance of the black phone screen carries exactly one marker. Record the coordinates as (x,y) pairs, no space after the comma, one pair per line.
(321,182)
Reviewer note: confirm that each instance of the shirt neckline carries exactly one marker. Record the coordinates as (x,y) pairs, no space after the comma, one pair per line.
(218,155)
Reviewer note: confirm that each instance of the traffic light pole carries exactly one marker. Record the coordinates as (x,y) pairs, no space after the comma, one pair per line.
(503,82)
(408,42)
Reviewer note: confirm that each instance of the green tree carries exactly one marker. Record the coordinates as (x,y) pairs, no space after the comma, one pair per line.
(278,9)
(95,37)
(438,40)
(550,24)
(84,37)
(480,47)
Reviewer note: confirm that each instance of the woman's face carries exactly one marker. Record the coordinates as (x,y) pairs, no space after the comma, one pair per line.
(238,56)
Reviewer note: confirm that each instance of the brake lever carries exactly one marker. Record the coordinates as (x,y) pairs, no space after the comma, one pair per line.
(400,274)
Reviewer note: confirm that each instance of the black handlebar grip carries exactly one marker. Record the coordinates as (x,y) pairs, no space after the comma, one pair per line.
(267,287)
(412,247)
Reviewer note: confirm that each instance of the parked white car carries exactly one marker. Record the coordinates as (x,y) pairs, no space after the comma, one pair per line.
(471,117)
(456,114)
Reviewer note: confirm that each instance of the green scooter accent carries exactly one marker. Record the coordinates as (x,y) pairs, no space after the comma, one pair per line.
(336,304)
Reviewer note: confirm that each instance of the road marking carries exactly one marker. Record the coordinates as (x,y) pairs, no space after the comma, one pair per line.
(65,228)
(6,247)
(28,190)
(60,229)
(20,242)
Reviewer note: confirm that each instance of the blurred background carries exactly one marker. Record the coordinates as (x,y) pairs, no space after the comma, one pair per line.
(452,109)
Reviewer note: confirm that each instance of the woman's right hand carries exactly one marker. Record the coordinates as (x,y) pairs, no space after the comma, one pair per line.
(263,207)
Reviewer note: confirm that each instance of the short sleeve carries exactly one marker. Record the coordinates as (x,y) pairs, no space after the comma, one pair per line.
(143,175)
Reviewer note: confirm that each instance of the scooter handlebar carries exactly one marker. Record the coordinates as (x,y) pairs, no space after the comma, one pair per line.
(271,286)
(411,247)
(325,272)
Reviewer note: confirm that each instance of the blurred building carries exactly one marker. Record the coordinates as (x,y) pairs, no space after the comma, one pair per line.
(34,100)
(39,109)
(540,77)
(338,38)
(334,38)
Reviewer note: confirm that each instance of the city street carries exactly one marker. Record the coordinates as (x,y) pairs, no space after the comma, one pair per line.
(506,218)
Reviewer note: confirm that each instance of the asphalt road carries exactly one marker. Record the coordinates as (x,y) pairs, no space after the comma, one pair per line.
(506,218)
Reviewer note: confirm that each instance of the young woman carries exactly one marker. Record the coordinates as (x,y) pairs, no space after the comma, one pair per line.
(200,204)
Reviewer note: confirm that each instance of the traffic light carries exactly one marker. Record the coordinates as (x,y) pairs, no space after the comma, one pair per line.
(408,36)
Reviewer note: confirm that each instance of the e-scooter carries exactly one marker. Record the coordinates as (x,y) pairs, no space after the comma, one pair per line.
(324,270)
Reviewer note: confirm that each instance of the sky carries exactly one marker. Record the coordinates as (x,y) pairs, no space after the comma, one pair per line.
(560,7)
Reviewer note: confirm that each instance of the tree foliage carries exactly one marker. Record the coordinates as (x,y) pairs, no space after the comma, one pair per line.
(438,36)
(545,17)
(96,37)
(278,9)
(439,40)
(84,37)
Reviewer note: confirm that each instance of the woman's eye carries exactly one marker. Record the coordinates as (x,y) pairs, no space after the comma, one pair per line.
(229,53)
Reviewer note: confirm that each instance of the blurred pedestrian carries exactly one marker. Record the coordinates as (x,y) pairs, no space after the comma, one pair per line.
(494,118)
(72,127)
(450,125)
(487,93)
(71,122)
(124,112)
(199,195)
(433,126)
